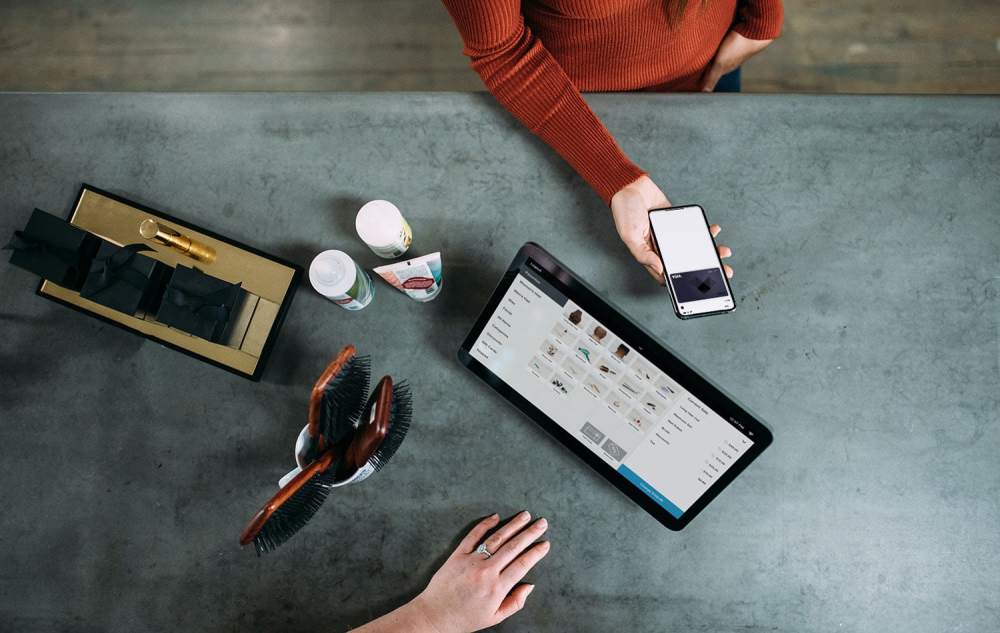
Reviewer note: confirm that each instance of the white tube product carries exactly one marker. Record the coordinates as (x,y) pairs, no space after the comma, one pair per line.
(420,277)
(338,278)
(382,227)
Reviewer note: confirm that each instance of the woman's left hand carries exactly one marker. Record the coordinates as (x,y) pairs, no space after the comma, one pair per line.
(473,591)
(733,52)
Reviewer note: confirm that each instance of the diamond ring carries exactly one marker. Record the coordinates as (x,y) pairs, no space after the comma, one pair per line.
(482,550)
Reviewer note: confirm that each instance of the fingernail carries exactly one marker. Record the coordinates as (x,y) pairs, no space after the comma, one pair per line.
(542,523)
(523,515)
(530,589)
(493,516)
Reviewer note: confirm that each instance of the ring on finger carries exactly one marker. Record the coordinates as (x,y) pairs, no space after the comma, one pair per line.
(482,550)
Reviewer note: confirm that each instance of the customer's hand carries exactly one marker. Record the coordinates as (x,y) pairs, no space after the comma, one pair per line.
(472,592)
(733,52)
(630,209)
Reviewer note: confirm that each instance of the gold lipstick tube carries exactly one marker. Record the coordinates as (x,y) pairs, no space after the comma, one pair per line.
(151,230)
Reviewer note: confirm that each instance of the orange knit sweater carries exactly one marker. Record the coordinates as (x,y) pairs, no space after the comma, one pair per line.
(535,56)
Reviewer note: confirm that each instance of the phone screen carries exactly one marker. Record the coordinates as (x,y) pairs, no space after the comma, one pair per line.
(690,261)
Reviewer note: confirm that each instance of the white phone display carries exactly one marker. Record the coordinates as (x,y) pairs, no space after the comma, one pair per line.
(695,277)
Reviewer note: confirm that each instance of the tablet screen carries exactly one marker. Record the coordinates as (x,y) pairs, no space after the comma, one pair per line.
(594,384)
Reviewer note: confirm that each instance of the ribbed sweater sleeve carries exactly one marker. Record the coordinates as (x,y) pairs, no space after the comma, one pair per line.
(759,19)
(531,85)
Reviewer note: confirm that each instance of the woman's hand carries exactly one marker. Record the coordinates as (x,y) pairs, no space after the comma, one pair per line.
(733,52)
(473,591)
(630,209)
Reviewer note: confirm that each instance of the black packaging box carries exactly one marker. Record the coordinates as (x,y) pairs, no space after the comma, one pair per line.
(124,279)
(54,249)
(199,304)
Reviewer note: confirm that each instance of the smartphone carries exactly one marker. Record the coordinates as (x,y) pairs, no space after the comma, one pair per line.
(695,276)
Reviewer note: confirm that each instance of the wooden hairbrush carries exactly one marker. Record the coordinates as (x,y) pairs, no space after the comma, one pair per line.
(386,419)
(337,400)
(384,422)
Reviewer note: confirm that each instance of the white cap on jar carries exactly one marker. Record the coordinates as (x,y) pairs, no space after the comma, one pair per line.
(379,223)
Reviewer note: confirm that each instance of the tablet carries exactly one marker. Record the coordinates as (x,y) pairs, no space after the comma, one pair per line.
(609,391)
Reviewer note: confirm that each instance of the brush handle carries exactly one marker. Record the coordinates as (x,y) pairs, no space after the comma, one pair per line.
(372,430)
(257,522)
(316,397)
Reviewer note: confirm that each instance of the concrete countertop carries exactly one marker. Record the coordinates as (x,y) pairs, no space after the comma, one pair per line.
(866,233)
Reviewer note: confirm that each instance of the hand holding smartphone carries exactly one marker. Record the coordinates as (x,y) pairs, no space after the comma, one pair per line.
(695,277)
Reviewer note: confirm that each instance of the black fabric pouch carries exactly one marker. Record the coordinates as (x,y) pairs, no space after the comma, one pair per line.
(124,279)
(54,249)
(199,304)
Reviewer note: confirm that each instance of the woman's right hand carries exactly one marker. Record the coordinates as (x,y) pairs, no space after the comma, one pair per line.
(630,208)
(472,592)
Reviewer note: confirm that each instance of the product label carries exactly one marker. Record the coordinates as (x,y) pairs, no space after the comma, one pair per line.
(360,294)
(363,473)
(398,246)
(418,283)
(348,302)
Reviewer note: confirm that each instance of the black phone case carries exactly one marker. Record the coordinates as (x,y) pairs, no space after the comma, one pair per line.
(725,279)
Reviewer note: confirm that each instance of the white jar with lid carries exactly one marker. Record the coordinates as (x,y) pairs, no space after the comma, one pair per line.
(338,278)
(383,228)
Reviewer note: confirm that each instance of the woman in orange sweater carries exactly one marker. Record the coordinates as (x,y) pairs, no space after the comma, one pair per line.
(535,56)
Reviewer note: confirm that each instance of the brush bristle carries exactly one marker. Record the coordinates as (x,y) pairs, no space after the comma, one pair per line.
(294,513)
(344,399)
(400,414)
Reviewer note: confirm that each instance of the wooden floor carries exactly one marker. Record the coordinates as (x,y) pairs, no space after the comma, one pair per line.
(866,46)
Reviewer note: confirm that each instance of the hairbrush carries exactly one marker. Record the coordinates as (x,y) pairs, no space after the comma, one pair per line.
(291,508)
(337,400)
(387,418)
(382,426)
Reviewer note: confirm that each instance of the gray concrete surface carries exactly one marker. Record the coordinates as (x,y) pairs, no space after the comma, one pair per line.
(866,239)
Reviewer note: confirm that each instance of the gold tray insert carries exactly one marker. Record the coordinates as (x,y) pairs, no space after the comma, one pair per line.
(266,282)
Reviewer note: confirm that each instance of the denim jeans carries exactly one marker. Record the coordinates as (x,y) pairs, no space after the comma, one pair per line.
(730,82)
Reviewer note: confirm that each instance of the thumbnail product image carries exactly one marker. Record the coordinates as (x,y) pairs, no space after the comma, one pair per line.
(576,316)
(598,333)
(565,333)
(666,389)
(560,385)
(537,365)
(643,370)
(616,402)
(651,404)
(621,351)
(572,368)
(639,420)
(583,352)
(629,388)
(594,385)
(551,350)
(607,370)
